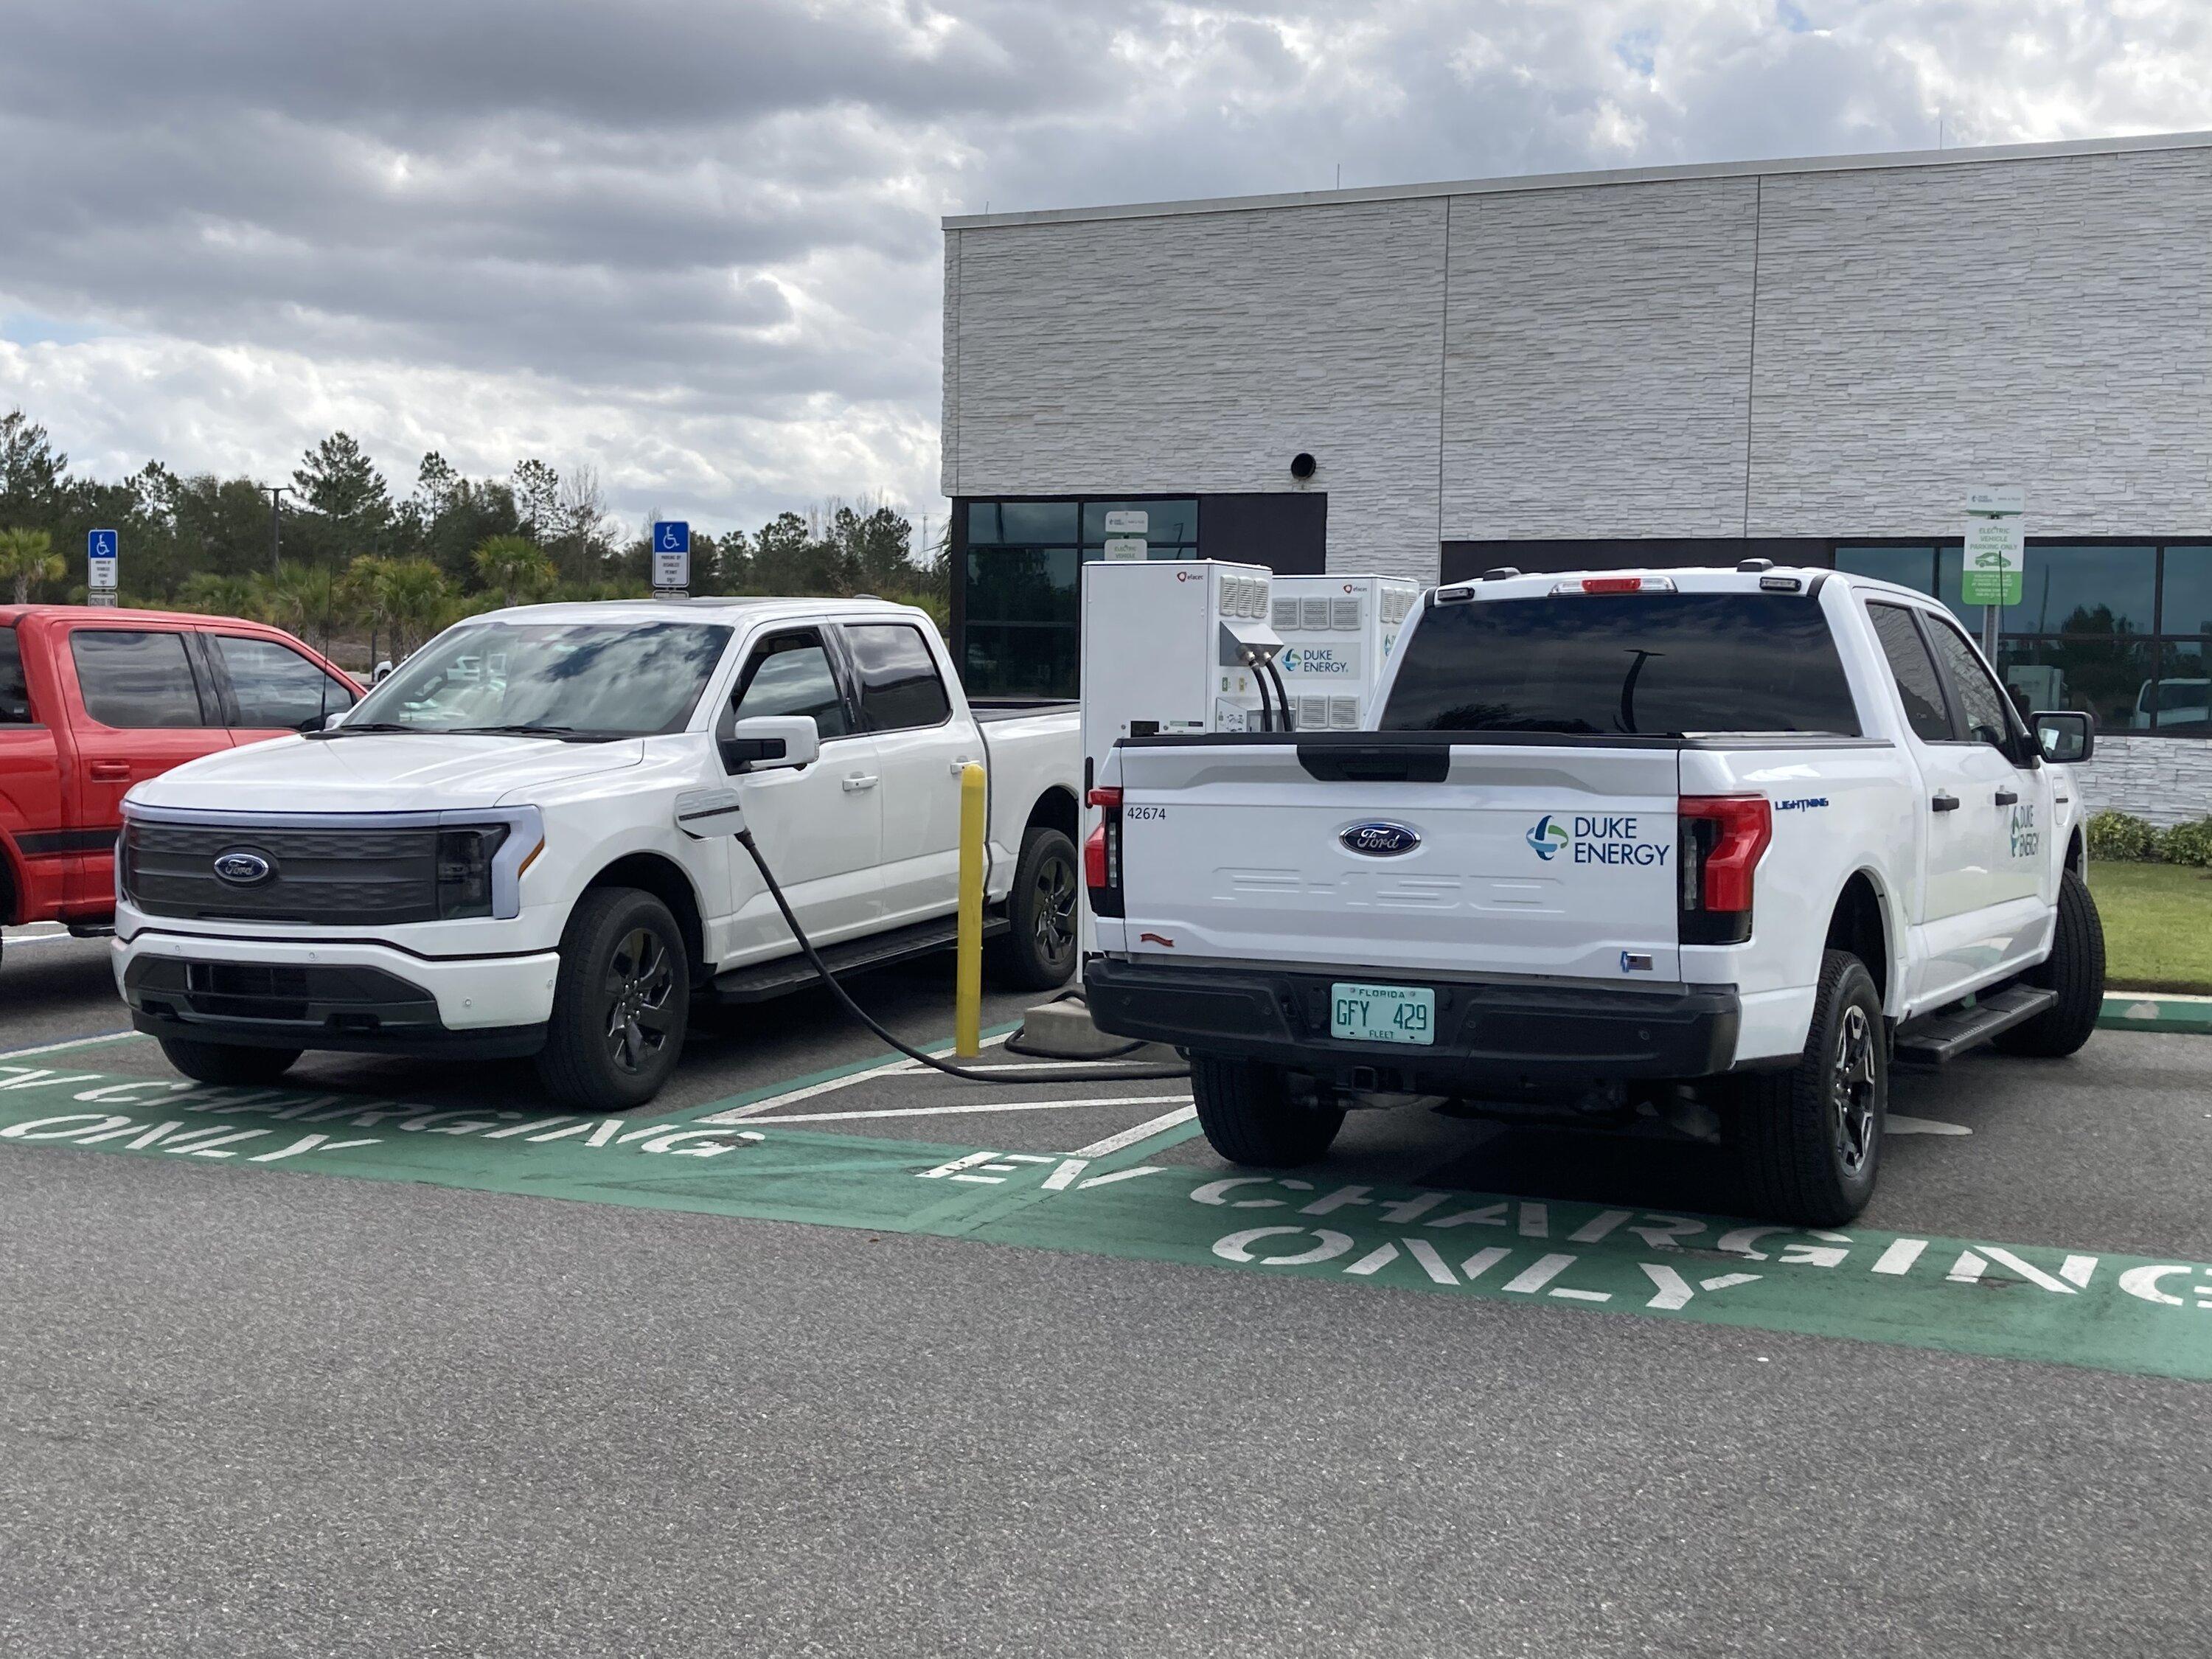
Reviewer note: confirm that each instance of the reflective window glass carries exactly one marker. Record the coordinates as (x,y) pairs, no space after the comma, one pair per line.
(134,680)
(14,690)
(1986,710)
(2084,590)
(275,687)
(1011,659)
(2184,689)
(1036,522)
(1949,562)
(2109,677)
(1912,671)
(983,523)
(1022,584)
(900,686)
(1908,566)
(2188,595)
(790,674)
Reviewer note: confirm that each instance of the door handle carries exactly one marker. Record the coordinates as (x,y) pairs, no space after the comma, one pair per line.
(109,771)
(860,781)
(2007,798)
(960,764)
(1945,802)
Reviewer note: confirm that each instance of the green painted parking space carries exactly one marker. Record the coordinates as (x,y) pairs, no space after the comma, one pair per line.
(2098,1310)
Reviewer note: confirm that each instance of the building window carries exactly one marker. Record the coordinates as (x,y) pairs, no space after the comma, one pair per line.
(2119,630)
(1022,571)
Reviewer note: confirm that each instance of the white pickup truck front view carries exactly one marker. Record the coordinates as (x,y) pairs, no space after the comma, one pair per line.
(1699,851)
(518,843)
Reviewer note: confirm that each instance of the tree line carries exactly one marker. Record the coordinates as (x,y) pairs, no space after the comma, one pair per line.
(362,565)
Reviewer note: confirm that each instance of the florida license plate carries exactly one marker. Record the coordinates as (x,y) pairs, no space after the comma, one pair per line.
(1382,1013)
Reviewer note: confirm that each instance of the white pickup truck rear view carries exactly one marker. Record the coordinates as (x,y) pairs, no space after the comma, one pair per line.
(1698,850)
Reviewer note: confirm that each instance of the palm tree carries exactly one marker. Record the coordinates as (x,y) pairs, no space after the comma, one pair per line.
(310,601)
(28,556)
(515,565)
(406,596)
(216,596)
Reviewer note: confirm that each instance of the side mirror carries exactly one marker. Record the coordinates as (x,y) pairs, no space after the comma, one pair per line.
(769,742)
(332,718)
(2066,736)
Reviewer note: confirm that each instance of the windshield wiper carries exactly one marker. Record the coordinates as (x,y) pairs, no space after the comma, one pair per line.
(359,725)
(523,729)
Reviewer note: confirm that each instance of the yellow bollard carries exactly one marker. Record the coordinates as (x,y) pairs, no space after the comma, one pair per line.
(968,980)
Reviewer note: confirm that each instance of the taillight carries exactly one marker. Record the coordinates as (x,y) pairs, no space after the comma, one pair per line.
(1101,855)
(1722,839)
(1613,585)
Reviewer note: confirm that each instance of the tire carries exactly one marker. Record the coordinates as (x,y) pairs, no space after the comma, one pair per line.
(1249,1118)
(1037,951)
(621,1004)
(1809,1140)
(226,1062)
(2076,969)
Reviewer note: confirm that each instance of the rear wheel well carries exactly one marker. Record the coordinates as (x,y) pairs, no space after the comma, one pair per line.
(1857,925)
(661,877)
(1054,810)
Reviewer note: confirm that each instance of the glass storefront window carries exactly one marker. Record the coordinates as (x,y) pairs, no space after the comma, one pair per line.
(1016,660)
(2109,676)
(1022,584)
(1037,522)
(2185,689)
(1908,566)
(1950,561)
(2084,590)
(2188,591)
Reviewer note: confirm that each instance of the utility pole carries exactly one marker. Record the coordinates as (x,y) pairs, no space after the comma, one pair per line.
(273,491)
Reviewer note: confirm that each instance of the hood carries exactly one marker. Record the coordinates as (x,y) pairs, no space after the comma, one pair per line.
(379,773)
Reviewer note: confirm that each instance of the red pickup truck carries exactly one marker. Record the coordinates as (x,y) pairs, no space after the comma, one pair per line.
(92,701)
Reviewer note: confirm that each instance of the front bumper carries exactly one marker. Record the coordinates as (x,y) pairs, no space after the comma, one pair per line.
(357,996)
(1493,1031)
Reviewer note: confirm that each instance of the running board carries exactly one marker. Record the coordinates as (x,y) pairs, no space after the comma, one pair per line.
(1939,1038)
(760,981)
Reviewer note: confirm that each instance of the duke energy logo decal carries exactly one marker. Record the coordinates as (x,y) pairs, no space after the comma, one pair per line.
(1547,838)
(1592,838)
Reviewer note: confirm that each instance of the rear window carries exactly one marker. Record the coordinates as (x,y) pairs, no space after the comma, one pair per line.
(1648,665)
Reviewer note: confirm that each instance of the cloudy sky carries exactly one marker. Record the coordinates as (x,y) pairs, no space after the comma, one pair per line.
(695,243)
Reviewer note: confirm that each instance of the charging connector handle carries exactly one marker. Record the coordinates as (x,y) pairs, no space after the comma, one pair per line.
(1104,1075)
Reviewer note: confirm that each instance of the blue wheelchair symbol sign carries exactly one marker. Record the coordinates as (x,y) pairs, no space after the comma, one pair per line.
(99,544)
(672,536)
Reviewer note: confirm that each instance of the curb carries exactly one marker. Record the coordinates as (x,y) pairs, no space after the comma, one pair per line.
(2150,1010)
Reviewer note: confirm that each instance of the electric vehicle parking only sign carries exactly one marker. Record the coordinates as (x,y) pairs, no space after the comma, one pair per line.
(672,558)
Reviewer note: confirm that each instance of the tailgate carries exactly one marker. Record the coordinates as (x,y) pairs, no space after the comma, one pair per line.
(1506,858)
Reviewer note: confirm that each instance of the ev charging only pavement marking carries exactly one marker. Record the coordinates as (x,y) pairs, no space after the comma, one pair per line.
(2099,1310)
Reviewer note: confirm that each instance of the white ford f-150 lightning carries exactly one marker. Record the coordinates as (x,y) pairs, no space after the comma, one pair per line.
(1696,850)
(519,842)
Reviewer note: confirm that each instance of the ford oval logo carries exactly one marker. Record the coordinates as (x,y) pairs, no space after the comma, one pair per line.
(1381,841)
(243,869)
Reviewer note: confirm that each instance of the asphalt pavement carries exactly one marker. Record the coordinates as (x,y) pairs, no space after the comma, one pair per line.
(262,1411)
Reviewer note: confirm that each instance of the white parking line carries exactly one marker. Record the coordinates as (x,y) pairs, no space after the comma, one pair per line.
(997,1106)
(1130,1137)
(73,1042)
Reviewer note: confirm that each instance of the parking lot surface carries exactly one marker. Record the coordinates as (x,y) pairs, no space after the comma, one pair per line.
(821,1353)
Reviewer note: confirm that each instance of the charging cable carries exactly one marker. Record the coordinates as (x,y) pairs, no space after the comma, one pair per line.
(1103,1074)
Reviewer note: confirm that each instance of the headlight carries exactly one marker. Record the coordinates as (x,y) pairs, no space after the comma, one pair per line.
(465,856)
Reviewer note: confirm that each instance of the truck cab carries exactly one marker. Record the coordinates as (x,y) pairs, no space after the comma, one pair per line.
(92,701)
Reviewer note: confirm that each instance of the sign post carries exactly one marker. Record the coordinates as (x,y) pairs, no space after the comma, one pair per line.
(672,559)
(1994,570)
(99,553)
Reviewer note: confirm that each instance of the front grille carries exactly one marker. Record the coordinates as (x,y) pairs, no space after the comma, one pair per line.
(340,878)
(340,997)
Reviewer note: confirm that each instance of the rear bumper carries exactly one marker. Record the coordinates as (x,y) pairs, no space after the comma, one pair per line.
(1493,1031)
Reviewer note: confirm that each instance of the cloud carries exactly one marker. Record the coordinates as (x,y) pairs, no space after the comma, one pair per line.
(697,245)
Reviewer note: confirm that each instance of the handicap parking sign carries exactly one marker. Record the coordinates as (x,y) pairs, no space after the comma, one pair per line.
(671,554)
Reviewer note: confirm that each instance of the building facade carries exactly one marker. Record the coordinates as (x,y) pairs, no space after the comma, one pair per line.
(1810,359)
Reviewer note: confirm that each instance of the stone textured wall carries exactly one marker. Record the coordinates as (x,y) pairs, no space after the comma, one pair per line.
(1598,346)
(2164,779)
(2047,323)
(1201,352)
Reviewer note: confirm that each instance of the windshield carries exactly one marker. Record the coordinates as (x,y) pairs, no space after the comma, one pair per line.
(580,680)
(1629,664)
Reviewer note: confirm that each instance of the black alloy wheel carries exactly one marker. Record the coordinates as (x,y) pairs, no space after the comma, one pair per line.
(640,979)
